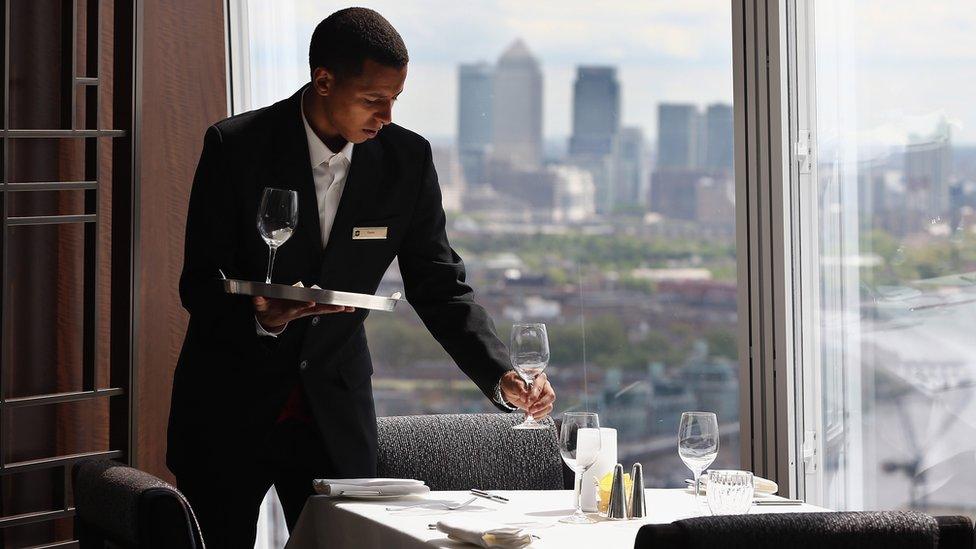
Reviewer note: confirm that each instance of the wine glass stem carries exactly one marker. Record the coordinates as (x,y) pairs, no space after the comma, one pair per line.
(270,262)
(528,416)
(697,484)
(579,493)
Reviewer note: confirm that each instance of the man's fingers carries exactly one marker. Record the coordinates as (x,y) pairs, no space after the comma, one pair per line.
(540,414)
(296,311)
(338,309)
(545,398)
(329,309)
(544,402)
(540,387)
(515,399)
(538,384)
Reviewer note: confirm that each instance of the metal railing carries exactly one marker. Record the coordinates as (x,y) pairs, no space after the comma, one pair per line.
(124,226)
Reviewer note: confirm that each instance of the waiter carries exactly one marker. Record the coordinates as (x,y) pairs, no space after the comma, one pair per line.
(278,392)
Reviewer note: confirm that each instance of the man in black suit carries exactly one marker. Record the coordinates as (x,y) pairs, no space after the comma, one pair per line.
(278,392)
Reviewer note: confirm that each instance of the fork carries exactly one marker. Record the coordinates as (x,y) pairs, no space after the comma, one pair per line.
(448,506)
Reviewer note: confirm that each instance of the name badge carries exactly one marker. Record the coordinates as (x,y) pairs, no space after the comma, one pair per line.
(369,233)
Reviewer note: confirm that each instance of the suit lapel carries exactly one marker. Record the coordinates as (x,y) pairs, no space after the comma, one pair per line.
(294,171)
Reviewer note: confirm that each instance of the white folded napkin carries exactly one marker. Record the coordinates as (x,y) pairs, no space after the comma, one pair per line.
(761,485)
(375,486)
(484,534)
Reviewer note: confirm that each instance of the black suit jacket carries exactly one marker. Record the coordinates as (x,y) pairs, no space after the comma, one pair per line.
(230,384)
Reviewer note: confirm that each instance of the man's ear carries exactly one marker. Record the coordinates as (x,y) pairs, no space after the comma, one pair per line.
(323,81)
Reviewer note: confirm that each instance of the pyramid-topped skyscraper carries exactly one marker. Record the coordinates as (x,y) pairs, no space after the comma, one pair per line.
(517,108)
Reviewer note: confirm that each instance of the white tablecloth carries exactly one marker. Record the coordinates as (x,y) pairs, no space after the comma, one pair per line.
(342,523)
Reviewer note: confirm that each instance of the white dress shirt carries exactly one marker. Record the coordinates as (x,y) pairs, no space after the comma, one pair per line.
(329,171)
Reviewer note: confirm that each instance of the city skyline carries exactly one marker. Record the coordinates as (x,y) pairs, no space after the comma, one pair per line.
(665,52)
(665,55)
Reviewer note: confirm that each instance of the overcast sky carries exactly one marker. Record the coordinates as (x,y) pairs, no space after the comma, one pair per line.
(910,65)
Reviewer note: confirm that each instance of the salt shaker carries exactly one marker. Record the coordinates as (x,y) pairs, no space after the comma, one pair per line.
(638,505)
(617,509)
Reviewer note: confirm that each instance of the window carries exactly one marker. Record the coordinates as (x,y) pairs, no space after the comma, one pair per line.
(888,255)
(585,157)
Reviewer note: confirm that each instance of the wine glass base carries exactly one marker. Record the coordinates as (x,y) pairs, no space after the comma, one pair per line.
(577,519)
(530,425)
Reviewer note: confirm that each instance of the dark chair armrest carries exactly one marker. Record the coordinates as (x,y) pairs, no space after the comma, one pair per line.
(165,522)
(660,536)
(955,532)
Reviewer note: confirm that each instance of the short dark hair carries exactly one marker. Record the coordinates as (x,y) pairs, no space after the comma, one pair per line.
(344,40)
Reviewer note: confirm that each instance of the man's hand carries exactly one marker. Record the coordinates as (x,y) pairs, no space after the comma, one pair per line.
(273,314)
(537,402)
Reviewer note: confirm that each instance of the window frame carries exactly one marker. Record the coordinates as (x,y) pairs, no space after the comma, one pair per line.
(764,73)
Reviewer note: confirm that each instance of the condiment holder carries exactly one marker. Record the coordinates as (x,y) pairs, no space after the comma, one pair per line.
(617,508)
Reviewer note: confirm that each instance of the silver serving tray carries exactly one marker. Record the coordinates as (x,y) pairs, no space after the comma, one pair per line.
(325,297)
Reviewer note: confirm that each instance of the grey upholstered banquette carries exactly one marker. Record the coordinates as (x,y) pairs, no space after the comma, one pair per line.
(837,530)
(463,451)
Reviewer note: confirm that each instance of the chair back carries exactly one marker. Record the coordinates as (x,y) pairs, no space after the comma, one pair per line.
(843,530)
(463,451)
(121,507)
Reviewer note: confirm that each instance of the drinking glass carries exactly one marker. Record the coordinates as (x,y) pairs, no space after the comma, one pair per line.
(277,219)
(729,492)
(529,351)
(579,445)
(698,442)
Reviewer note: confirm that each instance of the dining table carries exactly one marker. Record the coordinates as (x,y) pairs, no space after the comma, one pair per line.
(410,522)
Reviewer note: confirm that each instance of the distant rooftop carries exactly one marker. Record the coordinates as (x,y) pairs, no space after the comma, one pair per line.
(517,51)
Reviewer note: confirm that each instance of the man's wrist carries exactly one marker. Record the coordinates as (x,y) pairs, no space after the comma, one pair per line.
(500,397)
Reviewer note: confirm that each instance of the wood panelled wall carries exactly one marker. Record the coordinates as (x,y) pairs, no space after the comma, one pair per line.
(43,347)
(183,92)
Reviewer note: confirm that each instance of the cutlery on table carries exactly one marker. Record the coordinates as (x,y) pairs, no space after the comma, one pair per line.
(488,495)
(449,506)
(777,502)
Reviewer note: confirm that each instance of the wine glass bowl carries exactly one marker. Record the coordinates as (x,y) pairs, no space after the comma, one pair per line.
(277,218)
(579,446)
(529,352)
(698,442)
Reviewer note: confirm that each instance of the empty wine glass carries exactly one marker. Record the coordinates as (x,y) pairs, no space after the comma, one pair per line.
(579,446)
(698,442)
(530,354)
(277,219)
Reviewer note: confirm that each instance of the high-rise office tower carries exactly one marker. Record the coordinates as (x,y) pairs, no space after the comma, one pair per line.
(677,137)
(517,109)
(629,165)
(474,119)
(596,111)
(450,177)
(718,137)
(928,161)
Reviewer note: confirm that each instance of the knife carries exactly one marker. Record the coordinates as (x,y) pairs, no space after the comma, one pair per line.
(489,495)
